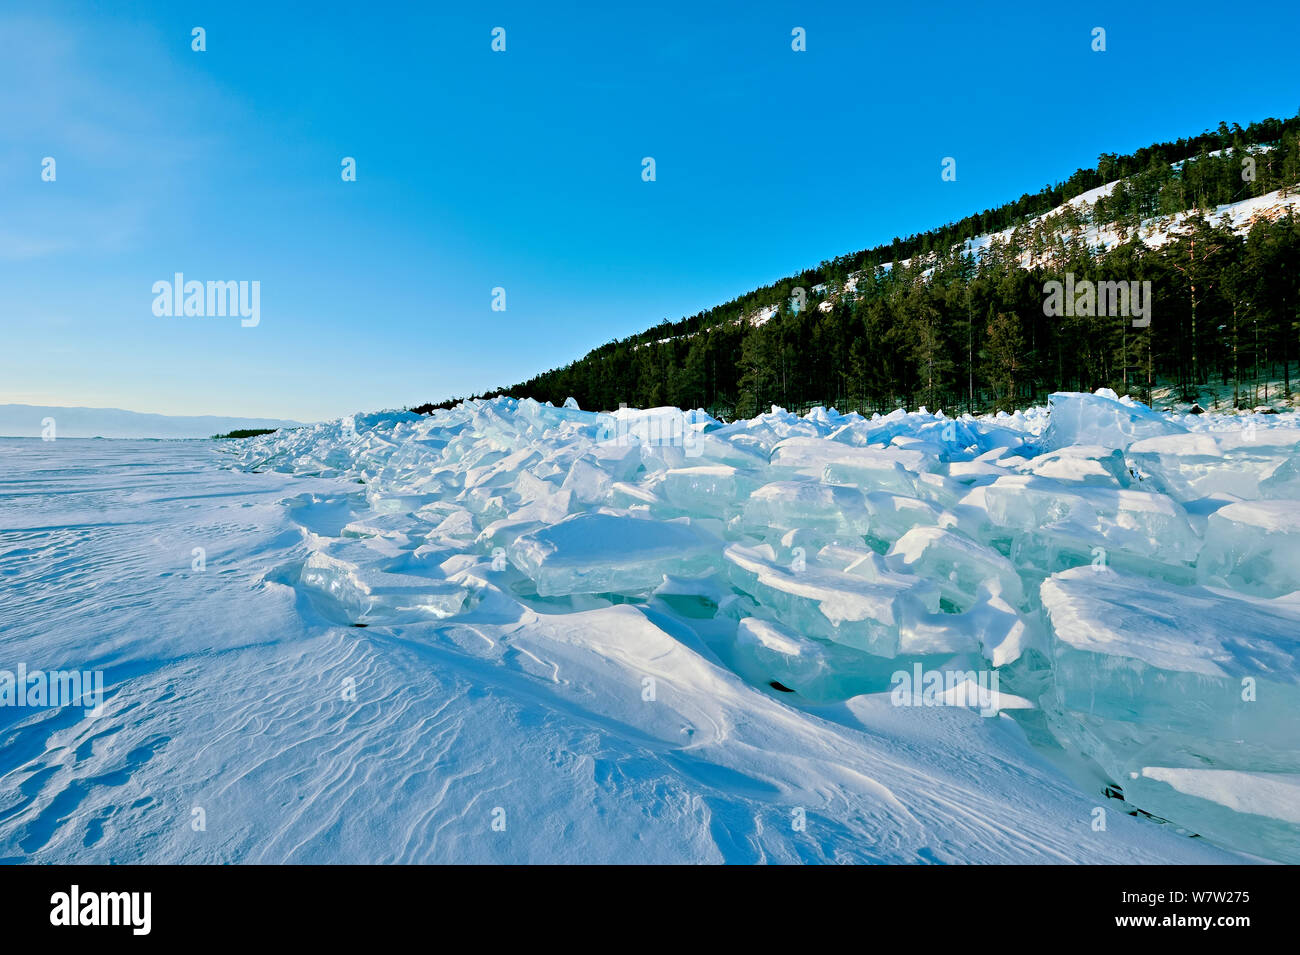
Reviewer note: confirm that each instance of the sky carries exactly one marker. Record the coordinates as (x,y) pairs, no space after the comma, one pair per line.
(522,170)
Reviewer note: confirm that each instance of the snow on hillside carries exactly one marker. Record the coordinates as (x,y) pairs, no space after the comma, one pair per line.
(1239,216)
(513,632)
(1097,235)
(1153,232)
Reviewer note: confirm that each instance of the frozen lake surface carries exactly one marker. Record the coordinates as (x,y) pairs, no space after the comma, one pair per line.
(455,642)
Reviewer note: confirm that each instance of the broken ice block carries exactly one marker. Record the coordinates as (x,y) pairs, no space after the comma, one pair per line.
(1149,674)
(1254,547)
(1256,812)
(765,651)
(714,489)
(883,468)
(794,661)
(610,553)
(787,505)
(872,476)
(893,515)
(1142,523)
(587,483)
(960,566)
(1094,465)
(367,594)
(1133,649)
(1080,418)
(1283,480)
(1192,466)
(831,604)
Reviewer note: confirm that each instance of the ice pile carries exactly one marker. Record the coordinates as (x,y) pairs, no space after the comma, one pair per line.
(1132,574)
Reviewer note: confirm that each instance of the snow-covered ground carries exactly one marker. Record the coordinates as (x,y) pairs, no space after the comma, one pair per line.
(513,632)
(1266,392)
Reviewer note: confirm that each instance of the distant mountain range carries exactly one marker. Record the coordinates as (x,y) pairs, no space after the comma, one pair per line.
(28,421)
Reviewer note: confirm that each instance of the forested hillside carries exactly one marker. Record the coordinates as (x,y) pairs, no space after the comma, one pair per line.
(938,320)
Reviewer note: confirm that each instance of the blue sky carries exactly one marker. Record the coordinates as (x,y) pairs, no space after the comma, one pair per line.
(522,170)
